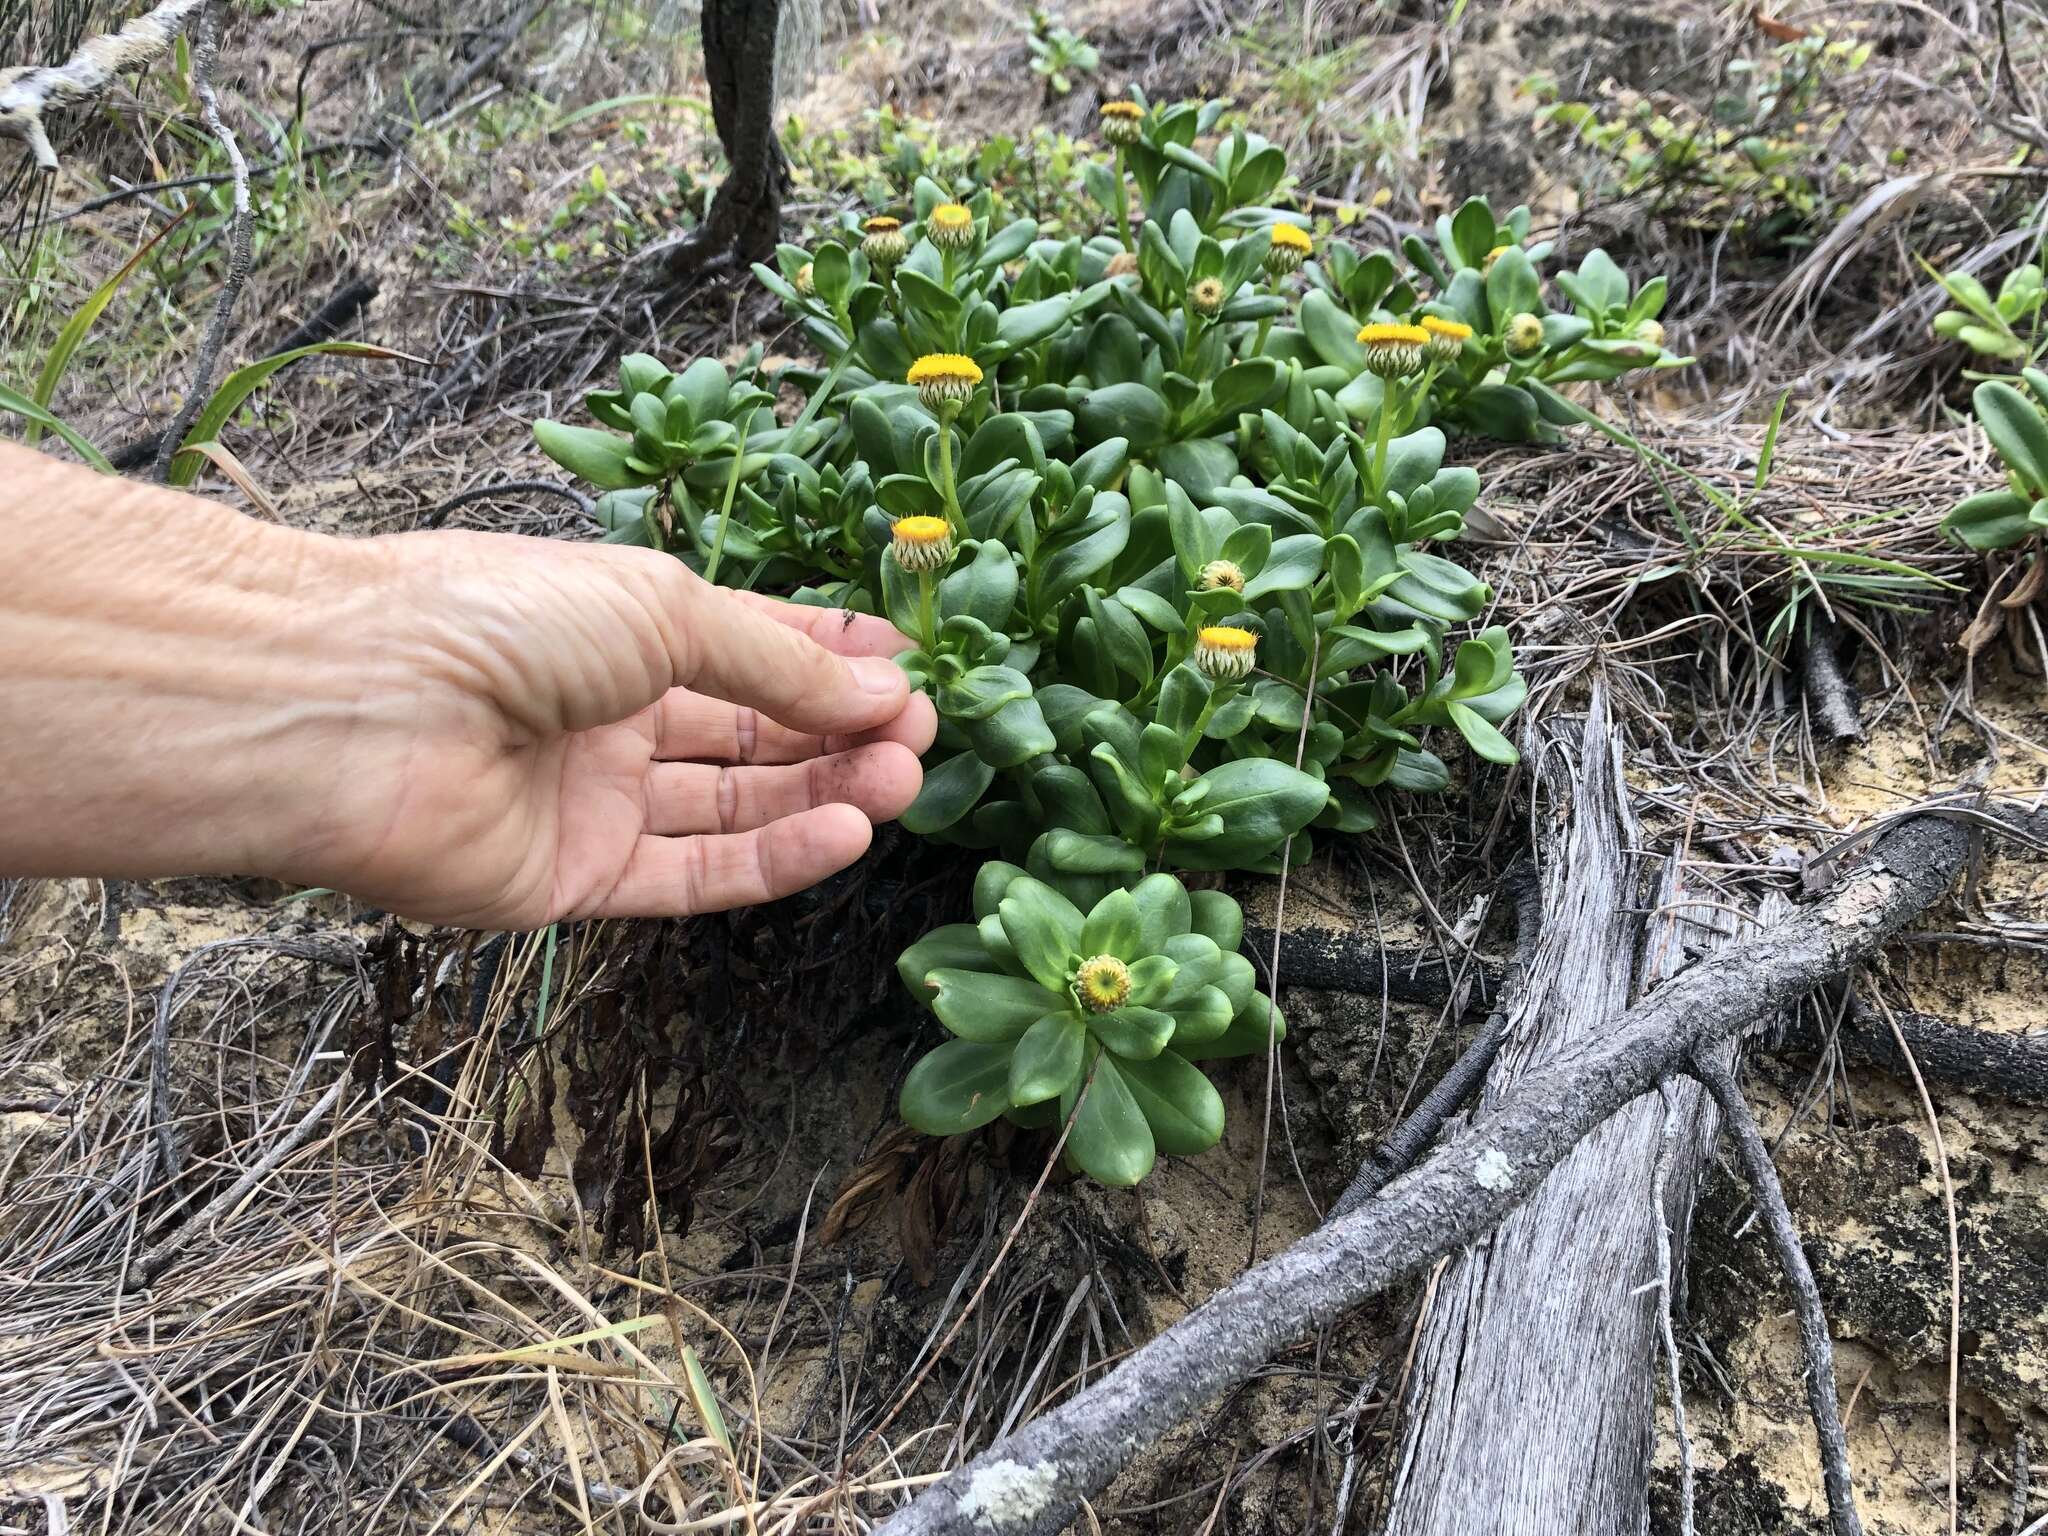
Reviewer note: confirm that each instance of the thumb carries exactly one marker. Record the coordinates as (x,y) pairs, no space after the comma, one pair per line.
(725,648)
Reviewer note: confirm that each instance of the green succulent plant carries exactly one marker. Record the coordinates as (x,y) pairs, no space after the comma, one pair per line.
(2018,429)
(1098,1017)
(1170,512)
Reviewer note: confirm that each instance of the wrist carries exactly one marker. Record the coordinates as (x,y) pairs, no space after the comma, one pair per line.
(180,681)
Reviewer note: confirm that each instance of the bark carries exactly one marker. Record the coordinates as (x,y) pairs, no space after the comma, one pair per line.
(1033,1481)
(1531,1404)
(1829,696)
(745,220)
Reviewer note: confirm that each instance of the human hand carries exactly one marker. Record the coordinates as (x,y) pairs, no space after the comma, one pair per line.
(570,731)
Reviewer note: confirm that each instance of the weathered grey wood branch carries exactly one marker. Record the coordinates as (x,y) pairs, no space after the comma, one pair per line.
(1032,1481)
(1531,1405)
(29,91)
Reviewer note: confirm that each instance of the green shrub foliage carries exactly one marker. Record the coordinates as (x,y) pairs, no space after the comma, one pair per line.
(2018,428)
(1165,516)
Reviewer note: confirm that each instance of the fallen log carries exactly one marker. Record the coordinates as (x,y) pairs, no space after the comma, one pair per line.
(1531,1404)
(1032,1481)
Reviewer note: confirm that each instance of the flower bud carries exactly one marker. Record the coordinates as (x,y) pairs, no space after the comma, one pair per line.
(1290,248)
(805,284)
(1206,297)
(1487,261)
(1524,336)
(943,379)
(1447,338)
(950,227)
(1122,264)
(1650,334)
(1103,984)
(884,244)
(1222,574)
(1122,122)
(1224,654)
(1394,351)
(921,543)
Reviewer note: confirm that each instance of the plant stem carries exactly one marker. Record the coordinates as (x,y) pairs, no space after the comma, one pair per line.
(732,485)
(927,636)
(946,488)
(1123,207)
(1218,694)
(1265,321)
(1382,434)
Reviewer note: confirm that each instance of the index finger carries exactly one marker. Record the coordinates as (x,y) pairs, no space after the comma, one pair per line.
(725,646)
(839,630)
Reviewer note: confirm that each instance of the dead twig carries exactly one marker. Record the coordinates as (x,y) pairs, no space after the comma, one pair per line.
(1813,1324)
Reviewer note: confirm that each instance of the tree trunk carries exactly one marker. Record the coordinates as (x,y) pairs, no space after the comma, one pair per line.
(1530,1406)
(745,220)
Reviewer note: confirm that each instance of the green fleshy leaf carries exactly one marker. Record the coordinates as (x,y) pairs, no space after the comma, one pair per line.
(1045,930)
(983,1006)
(1140,1033)
(1164,907)
(1111,1141)
(1181,1106)
(957,1087)
(1047,1061)
(1219,917)
(1112,928)
(957,946)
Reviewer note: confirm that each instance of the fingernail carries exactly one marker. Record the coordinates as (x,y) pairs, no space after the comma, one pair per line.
(877,674)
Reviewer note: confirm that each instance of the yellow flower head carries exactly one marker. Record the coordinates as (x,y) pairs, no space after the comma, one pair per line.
(1290,248)
(921,543)
(1122,122)
(950,227)
(1486,262)
(1394,351)
(1524,337)
(1447,338)
(884,244)
(943,379)
(1206,297)
(1224,654)
(1222,574)
(805,284)
(1103,983)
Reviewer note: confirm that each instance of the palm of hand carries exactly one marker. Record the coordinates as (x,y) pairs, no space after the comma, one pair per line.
(549,768)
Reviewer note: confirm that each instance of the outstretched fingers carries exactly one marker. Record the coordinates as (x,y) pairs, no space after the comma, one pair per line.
(677,876)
